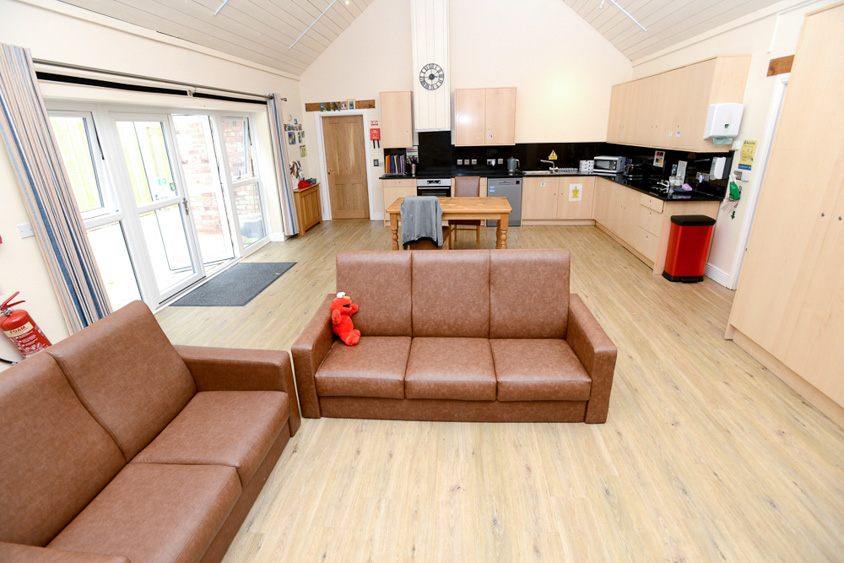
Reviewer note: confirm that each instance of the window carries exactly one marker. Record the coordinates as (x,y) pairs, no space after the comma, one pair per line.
(83,158)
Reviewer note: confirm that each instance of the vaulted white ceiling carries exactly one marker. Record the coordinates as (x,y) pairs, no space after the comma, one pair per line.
(668,22)
(262,30)
(256,30)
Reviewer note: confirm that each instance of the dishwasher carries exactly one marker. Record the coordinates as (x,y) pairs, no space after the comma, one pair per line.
(511,188)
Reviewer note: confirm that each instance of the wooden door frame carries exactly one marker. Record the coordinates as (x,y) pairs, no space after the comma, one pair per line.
(376,213)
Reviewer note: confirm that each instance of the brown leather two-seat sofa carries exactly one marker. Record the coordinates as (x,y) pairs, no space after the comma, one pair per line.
(116,446)
(474,335)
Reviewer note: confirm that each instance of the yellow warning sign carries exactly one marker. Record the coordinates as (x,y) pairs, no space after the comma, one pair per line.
(552,156)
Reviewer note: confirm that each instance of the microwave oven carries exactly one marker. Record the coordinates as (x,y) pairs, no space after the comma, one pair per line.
(609,165)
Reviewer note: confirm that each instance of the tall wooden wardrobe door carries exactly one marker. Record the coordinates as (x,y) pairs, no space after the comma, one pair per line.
(790,294)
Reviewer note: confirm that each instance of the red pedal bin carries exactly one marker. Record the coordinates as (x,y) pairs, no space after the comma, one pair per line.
(688,247)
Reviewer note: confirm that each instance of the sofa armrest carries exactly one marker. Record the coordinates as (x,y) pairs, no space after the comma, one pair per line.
(236,369)
(309,350)
(596,352)
(19,553)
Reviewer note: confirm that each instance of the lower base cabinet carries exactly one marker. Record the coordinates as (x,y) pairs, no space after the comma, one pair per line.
(394,189)
(641,222)
(308,207)
(558,198)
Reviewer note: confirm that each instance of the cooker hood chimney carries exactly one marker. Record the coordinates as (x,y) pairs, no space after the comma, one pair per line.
(431,68)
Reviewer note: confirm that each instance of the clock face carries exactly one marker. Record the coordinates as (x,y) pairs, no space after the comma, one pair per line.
(431,76)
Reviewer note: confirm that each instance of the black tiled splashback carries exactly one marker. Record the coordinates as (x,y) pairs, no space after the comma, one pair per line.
(437,154)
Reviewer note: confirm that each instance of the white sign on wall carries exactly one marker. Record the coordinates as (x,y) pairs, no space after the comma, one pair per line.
(575,192)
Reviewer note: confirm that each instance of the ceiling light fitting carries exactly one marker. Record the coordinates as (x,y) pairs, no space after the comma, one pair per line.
(625,12)
(223,5)
(313,23)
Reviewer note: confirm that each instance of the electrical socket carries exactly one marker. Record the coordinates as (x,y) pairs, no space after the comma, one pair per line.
(25,230)
(375,162)
(490,162)
(474,161)
(459,162)
(500,161)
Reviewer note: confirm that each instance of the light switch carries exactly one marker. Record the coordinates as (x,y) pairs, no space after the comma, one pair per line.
(25,230)
(375,162)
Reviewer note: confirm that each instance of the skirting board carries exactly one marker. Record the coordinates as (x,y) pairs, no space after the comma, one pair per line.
(808,391)
(559,222)
(717,275)
(277,237)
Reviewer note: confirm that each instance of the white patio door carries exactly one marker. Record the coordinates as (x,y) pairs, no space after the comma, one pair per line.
(158,195)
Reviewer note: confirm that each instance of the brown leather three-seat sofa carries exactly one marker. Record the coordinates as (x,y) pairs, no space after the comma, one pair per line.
(116,446)
(472,335)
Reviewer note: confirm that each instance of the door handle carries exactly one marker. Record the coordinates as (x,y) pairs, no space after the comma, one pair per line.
(330,170)
(185,203)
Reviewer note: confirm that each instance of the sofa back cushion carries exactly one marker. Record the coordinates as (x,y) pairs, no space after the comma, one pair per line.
(379,282)
(528,293)
(451,293)
(128,375)
(54,457)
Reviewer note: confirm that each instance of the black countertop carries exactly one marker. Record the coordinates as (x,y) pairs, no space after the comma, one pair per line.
(645,189)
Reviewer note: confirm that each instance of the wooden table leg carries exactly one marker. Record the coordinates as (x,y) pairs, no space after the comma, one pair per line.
(501,231)
(394,228)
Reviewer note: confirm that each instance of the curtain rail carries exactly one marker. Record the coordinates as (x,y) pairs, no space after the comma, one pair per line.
(190,89)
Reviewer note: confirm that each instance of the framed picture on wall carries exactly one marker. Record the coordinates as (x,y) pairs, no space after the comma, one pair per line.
(303,151)
(301,137)
(291,137)
(350,104)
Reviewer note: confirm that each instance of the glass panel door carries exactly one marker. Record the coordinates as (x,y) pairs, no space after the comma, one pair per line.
(204,188)
(160,202)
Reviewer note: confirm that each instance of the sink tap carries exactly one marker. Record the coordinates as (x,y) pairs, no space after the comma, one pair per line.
(553,165)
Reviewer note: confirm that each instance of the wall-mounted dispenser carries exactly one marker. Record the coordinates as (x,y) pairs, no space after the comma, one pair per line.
(723,120)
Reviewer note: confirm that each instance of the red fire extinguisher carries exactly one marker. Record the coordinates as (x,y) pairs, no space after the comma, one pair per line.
(21,329)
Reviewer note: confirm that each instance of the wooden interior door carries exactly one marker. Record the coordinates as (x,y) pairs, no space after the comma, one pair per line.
(345,159)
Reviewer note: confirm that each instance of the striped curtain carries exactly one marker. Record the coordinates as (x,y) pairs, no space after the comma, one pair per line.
(46,190)
(285,188)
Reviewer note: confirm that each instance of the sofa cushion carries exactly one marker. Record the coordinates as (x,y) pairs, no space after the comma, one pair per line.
(379,282)
(152,512)
(54,457)
(374,367)
(234,428)
(128,375)
(451,293)
(528,293)
(450,368)
(538,370)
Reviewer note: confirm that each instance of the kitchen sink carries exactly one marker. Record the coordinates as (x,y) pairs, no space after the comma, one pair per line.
(538,172)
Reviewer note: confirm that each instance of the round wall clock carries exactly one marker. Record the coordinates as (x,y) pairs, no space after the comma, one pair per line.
(431,76)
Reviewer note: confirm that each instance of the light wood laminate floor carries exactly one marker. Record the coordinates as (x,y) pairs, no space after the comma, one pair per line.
(706,454)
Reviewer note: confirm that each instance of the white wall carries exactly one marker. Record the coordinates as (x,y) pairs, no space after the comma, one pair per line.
(765,35)
(57,32)
(371,56)
(563,68)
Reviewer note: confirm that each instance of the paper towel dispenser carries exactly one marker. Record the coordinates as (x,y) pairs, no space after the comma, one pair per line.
(723,120)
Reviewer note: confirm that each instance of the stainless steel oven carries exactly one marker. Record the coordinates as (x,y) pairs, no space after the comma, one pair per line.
(438,187)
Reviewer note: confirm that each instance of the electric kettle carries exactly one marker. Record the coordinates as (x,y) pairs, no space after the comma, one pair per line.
(512,165)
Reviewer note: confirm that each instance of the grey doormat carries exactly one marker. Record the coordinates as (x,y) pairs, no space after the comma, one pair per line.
(235,287)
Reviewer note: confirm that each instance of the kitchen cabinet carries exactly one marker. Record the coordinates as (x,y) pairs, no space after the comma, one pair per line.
(548,198)
(668,110)
(484,116)
(396,120)
(539,198)
(788,311)
(640,222)
(394,189)
(308,207)
(584,193)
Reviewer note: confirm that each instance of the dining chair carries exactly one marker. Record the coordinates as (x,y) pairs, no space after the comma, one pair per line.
(467,186)
(426,243)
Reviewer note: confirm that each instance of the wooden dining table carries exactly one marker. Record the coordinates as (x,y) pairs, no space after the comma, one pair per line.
(495,208)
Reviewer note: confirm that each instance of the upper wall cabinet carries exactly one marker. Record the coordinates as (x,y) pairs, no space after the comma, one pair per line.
(484,116)
(668,110)
(396,120)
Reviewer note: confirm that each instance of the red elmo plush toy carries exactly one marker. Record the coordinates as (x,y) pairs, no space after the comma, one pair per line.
(342,310)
